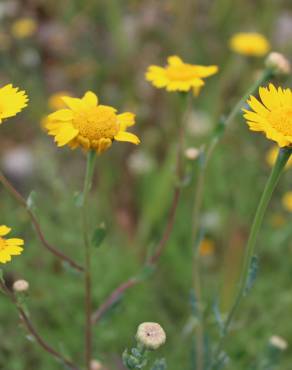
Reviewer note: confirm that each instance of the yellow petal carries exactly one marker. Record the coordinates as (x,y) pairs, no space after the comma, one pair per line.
(74,103)
(61,115)
(174,60)
(4,230)
(14,241)
(206,71)
(66,133)
(125,120)
(90,99)
(127,136)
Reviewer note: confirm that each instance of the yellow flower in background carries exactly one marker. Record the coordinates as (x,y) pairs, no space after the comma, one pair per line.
(207,247)
(89,125)
(271,157)
(9,247)
(250,44)
(55,101)
(23,28)
(287,201)
(272,116)
(179,76)
(12,101)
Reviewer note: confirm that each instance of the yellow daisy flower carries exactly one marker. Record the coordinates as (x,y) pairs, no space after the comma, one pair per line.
(23,27)
(271,157)
(272,116)
(287,201)
(250,44)
(12,101)
(89,125)
(9,247)
(179,76)
(207,247)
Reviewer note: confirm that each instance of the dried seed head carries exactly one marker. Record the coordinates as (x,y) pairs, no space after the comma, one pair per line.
(278,342)
(95,365)
(151,335)
(278,63)
(192,153)
(20,286)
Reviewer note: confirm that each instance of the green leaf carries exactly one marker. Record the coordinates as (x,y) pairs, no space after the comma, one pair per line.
(99,235)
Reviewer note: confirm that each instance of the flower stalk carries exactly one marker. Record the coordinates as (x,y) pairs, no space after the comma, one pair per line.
(283,157)
(91,157)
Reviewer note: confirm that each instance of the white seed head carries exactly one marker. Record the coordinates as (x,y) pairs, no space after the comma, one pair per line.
(151,335)
(192,153)
(279,63)
(20,286)
(278,342)
(95,365)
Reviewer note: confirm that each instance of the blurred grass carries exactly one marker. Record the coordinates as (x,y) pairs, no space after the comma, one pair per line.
(106,46)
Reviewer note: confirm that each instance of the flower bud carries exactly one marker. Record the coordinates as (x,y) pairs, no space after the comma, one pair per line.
(192,153)
(278,63)
(20,286)
(151,335)
(278,342)
(95,365)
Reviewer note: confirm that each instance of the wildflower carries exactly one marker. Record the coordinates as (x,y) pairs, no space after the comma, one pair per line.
(249,43)
(9,247)
(20,286)
(287,201)
(12,101)
(273,116)
(271,157)
(278,342)
(87,124)
(278,63)
(95,365)
(151,335)
(56,102)
(23,28)
(179,76)
(207,247)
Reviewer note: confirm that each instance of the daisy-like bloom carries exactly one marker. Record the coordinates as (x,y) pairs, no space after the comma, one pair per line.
(179,76)
(250,44)
(9,247)
(89,125)
(151,335)
(287,201)
(271,157)
(23,28)
(272,116)
(12,101)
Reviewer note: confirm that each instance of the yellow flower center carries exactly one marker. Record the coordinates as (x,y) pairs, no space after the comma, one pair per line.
(96,123)
(281,120)
(2,243)
(181,72)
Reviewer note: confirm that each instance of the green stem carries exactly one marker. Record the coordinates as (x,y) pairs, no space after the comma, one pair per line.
(273,179)
(91,157)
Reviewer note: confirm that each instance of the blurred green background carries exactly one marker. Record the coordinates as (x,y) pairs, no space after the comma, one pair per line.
(106,46)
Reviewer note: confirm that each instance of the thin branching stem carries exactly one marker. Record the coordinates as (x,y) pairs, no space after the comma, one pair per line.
(19,198)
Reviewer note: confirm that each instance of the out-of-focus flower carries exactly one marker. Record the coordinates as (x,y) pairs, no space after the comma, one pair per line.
(278,342)
(249,43)
(9,247)
(95,365)
(151,335)
(271,157)
(20,286)
(278,63)
(287,201)
(56,102)
(23,28)
(272,116)
(192,153)
(179,76)
(140,162)
(18,162)
(87,124)
(207,247)
(12,101)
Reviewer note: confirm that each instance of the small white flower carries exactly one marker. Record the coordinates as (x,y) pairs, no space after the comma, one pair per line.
(95,365)
(20,286)
(192,153)
(278,342)
(151,335)
(279,63)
